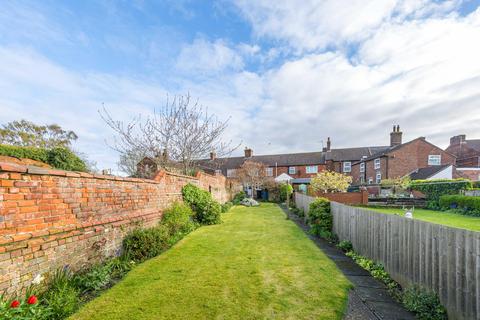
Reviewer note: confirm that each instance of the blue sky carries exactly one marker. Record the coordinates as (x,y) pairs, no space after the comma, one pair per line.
(289,74)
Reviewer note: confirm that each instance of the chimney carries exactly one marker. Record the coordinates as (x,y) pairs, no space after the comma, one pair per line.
(248,152)
(458,139)
(213,155)
(329,144)
(395,136)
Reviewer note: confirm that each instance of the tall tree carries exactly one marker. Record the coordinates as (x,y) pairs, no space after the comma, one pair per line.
(28,134)
(182,129)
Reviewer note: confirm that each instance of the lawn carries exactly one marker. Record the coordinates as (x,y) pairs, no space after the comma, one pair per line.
(438,217)
(256,265)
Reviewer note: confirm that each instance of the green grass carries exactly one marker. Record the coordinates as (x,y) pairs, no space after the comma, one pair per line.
(438,217)
(256,265)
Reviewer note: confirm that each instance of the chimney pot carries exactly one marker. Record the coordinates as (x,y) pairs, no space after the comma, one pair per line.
(329,144)
(396,136)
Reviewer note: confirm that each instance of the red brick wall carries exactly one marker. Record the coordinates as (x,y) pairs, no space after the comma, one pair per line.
(413,156)
(53,218)
(403,161)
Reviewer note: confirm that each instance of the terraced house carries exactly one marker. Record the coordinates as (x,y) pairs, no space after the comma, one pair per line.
(400,159)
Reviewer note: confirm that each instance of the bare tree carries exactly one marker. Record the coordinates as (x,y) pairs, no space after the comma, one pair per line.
(253,174)
(182,129)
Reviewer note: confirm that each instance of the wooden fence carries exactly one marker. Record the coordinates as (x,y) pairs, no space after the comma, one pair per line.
(443,259)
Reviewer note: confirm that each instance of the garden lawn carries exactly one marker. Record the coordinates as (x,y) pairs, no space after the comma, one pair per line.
(438,217)
(256,265)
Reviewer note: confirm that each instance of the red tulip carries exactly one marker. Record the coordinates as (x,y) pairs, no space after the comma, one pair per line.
(15,304)
(32,300)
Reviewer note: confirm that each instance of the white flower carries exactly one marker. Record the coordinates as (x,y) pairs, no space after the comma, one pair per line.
(38,279)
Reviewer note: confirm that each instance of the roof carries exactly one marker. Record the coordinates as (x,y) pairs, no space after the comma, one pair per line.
(474,144)
(387,150)
(281,160)
(353,153)
(425,173)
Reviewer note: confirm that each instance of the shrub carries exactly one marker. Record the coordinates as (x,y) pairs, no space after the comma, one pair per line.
(345,246)
(434,189)
(60,158)
(424,303)
(285,191)
(178,220)
(467,205)
(226,206)
(63,158)
(94,279)
(239,197)
(142,244)
(206,209)
(319,217)
(62,297)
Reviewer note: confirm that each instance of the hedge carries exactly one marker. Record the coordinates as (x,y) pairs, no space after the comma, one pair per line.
(59,158)
(466,205)
(434,189)
(320,218)
(207,210)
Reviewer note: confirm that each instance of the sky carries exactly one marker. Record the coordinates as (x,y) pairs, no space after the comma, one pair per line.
(287,74)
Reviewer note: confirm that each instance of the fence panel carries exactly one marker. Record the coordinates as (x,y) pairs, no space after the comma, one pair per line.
(443,259)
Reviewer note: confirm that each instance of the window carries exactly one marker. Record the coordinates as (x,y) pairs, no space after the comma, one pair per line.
(269,172)
(378,178)
(218,171)
(362,167)
(347,166)
(370,180)
(377,163)
(231,173)
(312,169)
(434,160)
(362,180)
(292,170)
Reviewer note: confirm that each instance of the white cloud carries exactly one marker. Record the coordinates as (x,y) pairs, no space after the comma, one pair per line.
(204,57)
(314,24)
(415,63)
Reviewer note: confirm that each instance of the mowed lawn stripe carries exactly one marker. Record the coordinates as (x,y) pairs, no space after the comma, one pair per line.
(255,265)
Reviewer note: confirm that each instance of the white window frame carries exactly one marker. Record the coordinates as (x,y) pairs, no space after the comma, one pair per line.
(370,180)
(434,159)
(362,180)
(269,172)
(362,167)
(377,163)
(347,166)
(311,169)
(231,173)
(378,178)
(292,170)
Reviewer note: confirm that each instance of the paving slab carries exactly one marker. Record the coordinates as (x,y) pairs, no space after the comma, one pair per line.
(369,299)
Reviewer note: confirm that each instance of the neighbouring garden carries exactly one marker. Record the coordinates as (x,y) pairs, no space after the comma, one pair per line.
(255,265)
(439,217)
(448,203)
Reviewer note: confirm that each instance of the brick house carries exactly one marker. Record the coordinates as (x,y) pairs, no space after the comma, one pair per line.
(341,160)
(466,151)
(296,165)
(399,160)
